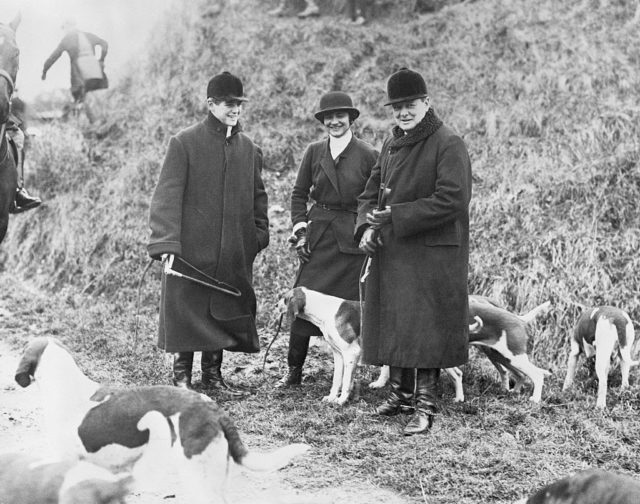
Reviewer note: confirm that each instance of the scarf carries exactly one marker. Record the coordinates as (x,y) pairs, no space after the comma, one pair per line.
(424,129)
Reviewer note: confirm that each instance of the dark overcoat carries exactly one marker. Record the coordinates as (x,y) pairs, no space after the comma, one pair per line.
(325,196)
(209,208)
(416,306)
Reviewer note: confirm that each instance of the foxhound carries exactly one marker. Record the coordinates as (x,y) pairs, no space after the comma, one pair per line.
(593,486)
(502,337)
(33,480)
(110,426)
(605,332)
(339,321)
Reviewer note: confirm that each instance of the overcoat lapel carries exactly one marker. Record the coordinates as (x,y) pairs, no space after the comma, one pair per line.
(329,167)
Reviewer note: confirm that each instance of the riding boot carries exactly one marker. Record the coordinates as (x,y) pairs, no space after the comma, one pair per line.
(426,397)
(401,385)
(211,364)
(298,348)
(182,366)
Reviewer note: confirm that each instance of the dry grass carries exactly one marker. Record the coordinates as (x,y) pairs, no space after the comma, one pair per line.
(544,94)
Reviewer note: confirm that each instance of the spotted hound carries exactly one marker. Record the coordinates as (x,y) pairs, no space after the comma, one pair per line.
(339,321)
(110,426)
(593,486)
(502,337)
(30,479)
(605,332)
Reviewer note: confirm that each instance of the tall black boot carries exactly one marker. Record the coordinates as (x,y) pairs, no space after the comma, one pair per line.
(426,398)
(298,348)
(211,364)
(182,367)
(401,385)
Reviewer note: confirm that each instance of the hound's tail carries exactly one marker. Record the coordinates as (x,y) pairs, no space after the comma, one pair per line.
(538,310)
(270,461)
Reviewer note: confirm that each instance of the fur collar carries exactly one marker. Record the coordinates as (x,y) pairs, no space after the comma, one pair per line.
(425,128)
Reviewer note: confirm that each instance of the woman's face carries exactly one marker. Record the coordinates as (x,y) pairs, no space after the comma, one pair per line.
(336,123)
(408,114)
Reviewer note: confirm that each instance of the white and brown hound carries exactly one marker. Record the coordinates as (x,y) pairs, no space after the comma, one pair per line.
(339,321)
(605,332)
(110,426)
(26,478)
(593,486)
(502,337)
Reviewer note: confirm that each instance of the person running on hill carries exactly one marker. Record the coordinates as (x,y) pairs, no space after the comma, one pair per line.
(332,174)
(77,43)
(413,219)
(208,220)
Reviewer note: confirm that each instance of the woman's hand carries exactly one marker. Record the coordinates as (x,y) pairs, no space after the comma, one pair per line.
(371,241)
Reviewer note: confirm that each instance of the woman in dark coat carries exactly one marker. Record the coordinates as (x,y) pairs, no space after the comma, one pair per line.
(332,174)
(209,211)
(413,220)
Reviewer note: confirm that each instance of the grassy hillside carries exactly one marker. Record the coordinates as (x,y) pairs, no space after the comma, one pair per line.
(545,95)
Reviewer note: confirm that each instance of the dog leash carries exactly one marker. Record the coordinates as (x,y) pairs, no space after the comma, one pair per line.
(137,315)
(266,353)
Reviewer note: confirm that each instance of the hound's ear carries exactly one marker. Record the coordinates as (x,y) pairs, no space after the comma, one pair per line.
(16,21)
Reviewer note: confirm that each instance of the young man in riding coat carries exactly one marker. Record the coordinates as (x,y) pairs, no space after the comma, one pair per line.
(208,216)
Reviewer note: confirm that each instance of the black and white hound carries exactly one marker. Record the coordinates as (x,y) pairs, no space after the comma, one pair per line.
(339,321)
(112,426)
(593,486)
(605,332)
(30,479)
(502,337)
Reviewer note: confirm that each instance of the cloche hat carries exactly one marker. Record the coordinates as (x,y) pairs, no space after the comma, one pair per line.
(225,86)
(405,85)
(334,101)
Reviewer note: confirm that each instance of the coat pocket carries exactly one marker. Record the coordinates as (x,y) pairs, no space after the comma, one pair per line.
(234,316)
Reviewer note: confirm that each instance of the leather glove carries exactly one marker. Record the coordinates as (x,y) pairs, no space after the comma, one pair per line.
(299,241)
(371,241)
(44,75)
(378,218)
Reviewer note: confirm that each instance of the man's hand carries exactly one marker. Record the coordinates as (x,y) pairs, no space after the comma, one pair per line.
(299,241)
(371,241)
(378,218)
(44,75)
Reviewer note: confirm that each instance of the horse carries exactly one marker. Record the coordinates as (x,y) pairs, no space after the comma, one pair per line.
(9,61)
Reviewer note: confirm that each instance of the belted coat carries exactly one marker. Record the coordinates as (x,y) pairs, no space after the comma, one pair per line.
(210,209)
(325,196)
(416,295)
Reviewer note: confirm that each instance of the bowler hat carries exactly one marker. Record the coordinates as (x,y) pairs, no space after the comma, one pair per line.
(405,85)
(336,101)
(225,86)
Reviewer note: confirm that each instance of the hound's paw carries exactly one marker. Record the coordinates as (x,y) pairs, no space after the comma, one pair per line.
(330,398)
(378,384)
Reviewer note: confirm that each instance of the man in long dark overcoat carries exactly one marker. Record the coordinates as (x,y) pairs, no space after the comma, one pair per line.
(413,220)
(208,216)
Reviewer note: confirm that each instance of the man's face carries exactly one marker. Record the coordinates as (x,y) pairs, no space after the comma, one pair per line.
(336,123)
(227,112)
(409,113)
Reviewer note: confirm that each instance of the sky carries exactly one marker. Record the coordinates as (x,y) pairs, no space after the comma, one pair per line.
(125,24)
